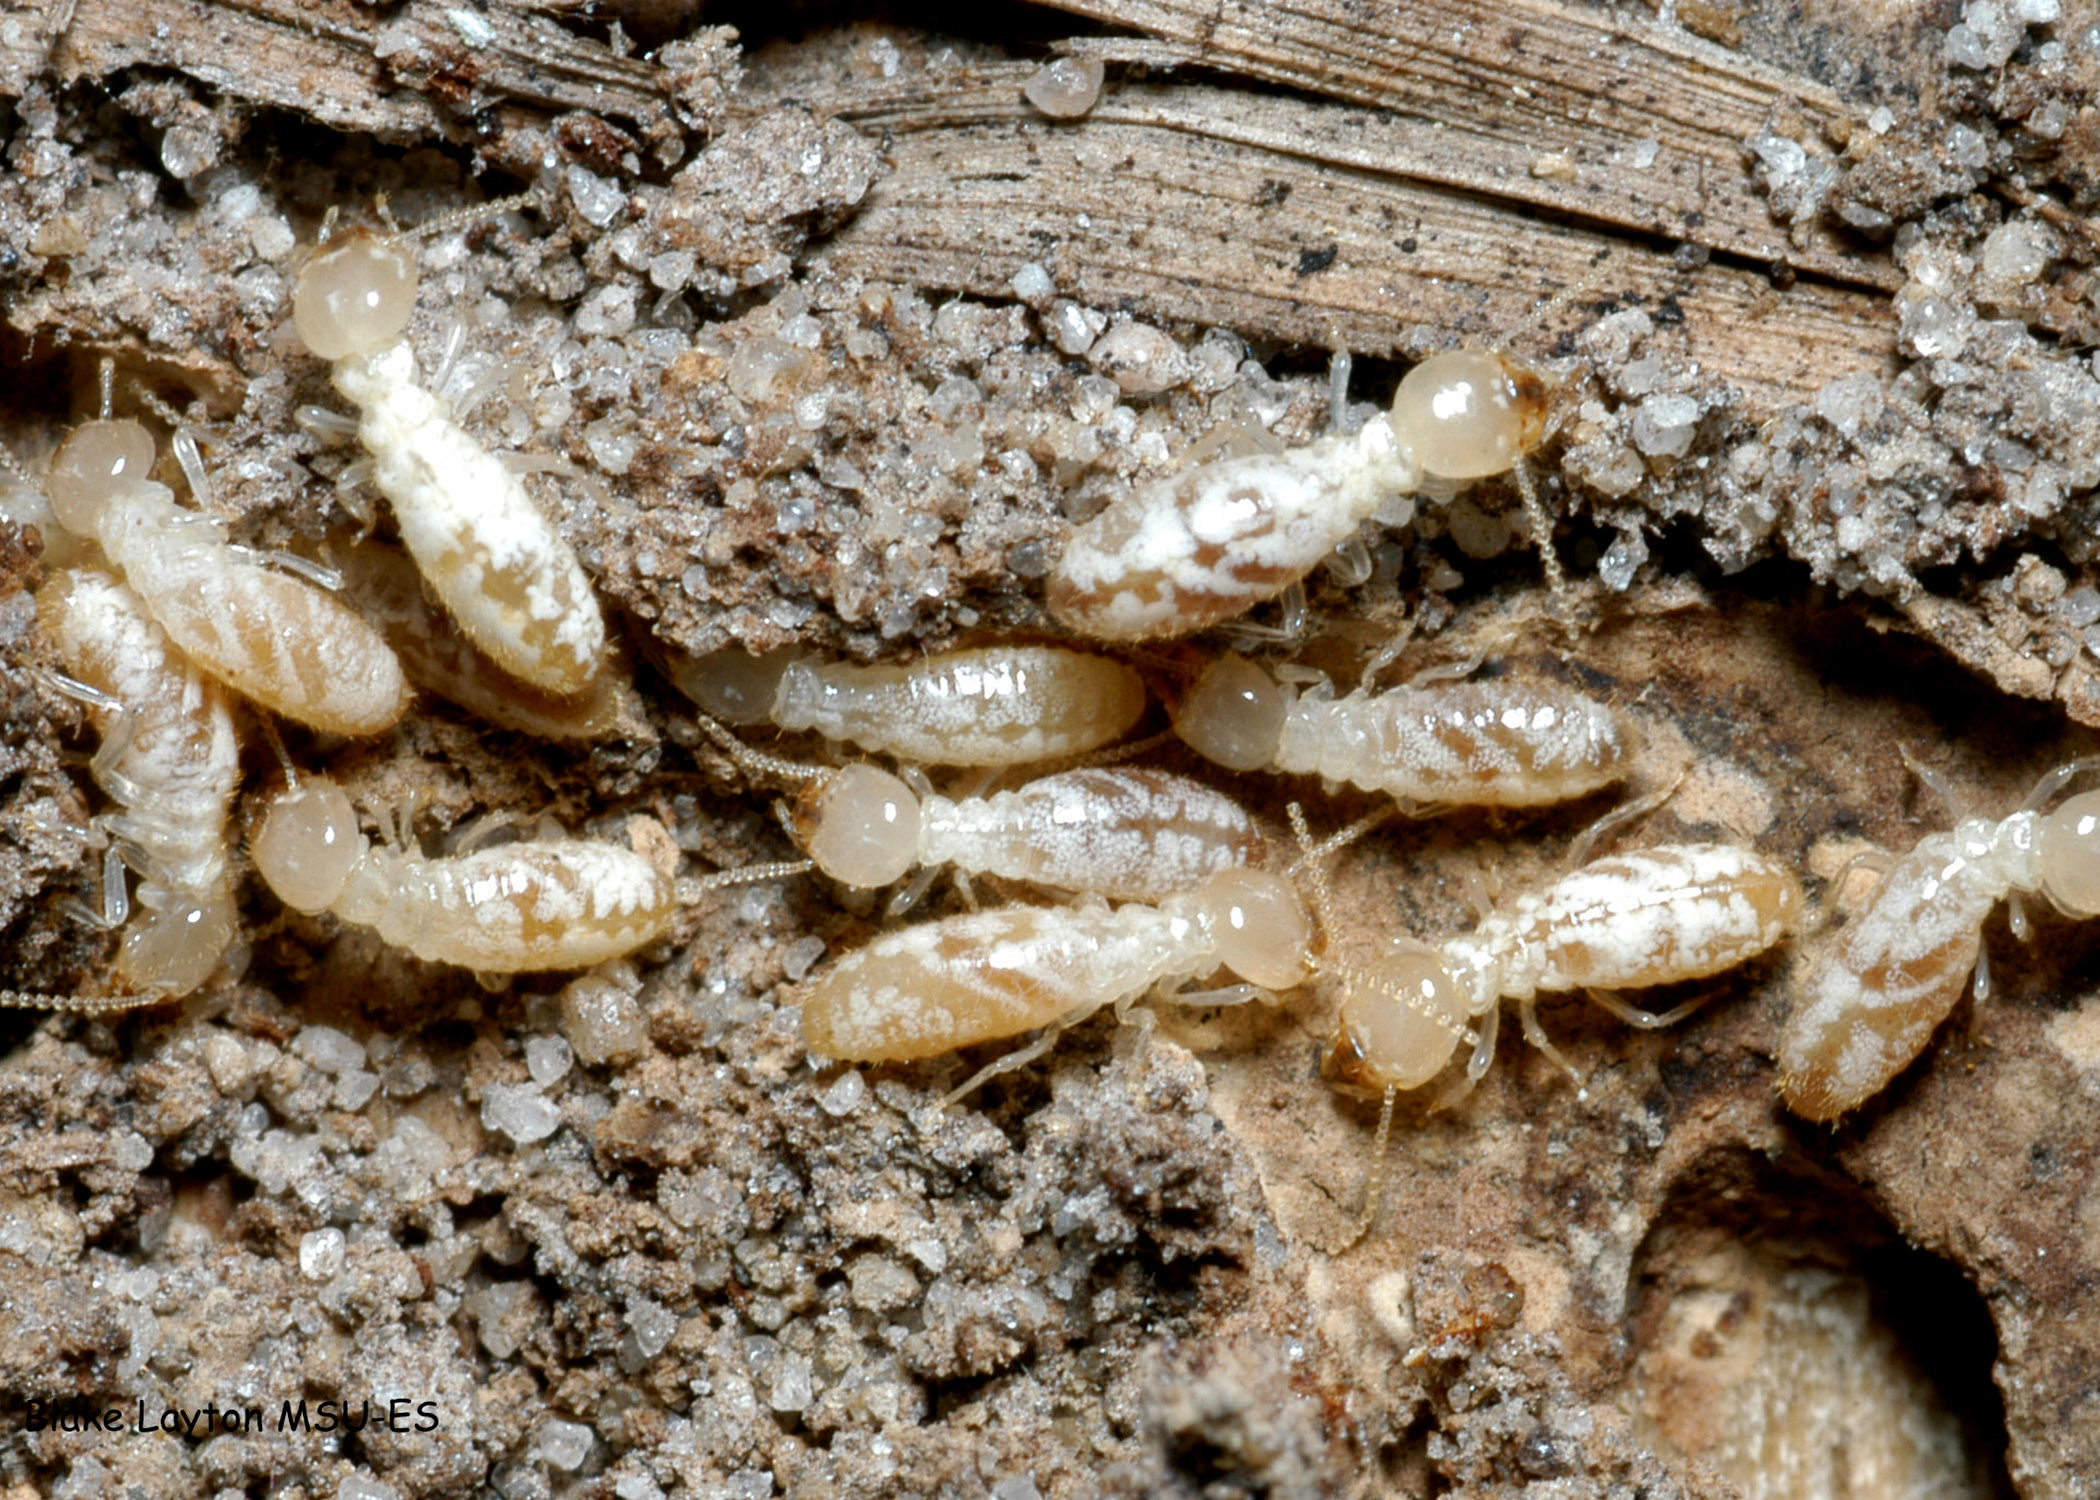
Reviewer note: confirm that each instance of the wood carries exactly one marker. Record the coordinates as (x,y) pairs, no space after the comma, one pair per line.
(1302,222)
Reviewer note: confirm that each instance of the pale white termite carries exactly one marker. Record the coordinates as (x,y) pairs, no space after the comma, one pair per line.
(492,556)
(270,636)
(169,759)
(1200,546)
(561,903)
(1488,744)
(917,992)
(383,583)
(1123,833)
(983,706)
(1881,988)
(1625,921)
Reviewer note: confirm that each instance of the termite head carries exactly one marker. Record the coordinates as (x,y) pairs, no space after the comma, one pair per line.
(174,950)
(1233,715)
(2068,843)
(1467,414)
(98,461)
(735,685)
(354,296)
(860,825)
(1261,927)
(1401,1021)
(308,845)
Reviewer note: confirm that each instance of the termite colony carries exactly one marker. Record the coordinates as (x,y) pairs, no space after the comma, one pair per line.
(1173,889)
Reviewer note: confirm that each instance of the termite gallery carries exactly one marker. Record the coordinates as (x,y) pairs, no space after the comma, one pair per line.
(1881,988)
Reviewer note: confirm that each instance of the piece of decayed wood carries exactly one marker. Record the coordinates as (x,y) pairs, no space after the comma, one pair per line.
(1293,220)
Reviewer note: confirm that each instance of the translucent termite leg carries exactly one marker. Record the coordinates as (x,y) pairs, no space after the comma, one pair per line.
(915,890)
(2055,781)
(1645,1020)
(323,422)
(321,575)
(1874,859)
(1021,1057)
(1586,842)
(1534,1033)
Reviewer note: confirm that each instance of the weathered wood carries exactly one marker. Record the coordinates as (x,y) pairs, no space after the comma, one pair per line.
(1293,220)
(423,71)
(1537,103)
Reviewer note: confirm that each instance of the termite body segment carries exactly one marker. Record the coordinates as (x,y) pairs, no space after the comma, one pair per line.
(1882,987)
(385,584)
(1203,545)
(271,637)
(517,908)
(1124,833)
(1491,744)
(503,571)
(1626,921)
(921,991)
(982,706)
(170,760)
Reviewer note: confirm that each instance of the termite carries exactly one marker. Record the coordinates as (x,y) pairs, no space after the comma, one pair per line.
(1203,545)
(561,903)
(1492,744)
(169,759)
(271,637)
(492,556)
(918,992)
(983,706)
(385,585)
(1881,988)
(1624,921)
(1123,833)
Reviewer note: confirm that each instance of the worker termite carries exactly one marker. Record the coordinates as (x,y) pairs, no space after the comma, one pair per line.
(917,992)
(501,569)
(1199,547)
(1625,921)
(169,758)
(563,903)
(384,583)
(1881,988)
(1123,833)
(984,706)
(1492,744)
(270,636)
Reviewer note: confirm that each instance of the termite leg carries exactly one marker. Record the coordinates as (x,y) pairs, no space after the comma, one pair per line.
(1528,1013)
(1645,1020)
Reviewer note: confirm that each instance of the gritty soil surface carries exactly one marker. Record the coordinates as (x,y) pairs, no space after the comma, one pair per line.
(624,1237)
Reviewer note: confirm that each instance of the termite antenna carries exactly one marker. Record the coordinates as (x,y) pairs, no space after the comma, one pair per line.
(692,887)
(291,774)
(107,381)
(458,216)
(757,763)
(86,1005)
(1542,533)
